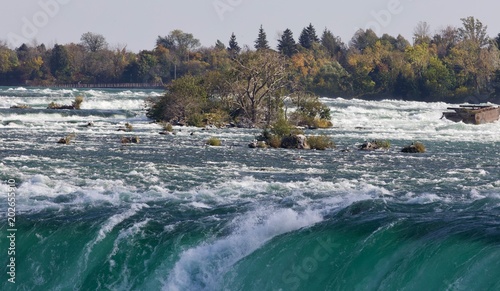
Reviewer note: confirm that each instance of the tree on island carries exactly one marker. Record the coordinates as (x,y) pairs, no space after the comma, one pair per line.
(474,31)
(233,48)
(261,42)
(363,39)
(251,90)
(308,37)
(287,45)
(94,42)
(259,80)
(60,63)
(179,42)
(219,45)
(422,33)
(331,43)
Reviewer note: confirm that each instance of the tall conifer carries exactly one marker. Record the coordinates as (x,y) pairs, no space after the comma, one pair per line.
(308,37)
(261,43)
(287,45)
(233,48)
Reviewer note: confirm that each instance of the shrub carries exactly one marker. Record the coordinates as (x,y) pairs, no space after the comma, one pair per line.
(320,142)
(281,128)
(213,141)
(274,141)
(78,102)
(195,120)
(129,127)
(217,118)
(167,127)
(322,123)
(67,139)
(261,145)
(383,144)
(420,147)
(54,105)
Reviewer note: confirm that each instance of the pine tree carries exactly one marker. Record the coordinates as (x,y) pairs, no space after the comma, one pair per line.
(331,43)
(308,37)
(233,48)
(261,42)
(287,45)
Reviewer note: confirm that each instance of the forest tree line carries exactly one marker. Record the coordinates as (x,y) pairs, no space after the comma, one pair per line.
(454,62)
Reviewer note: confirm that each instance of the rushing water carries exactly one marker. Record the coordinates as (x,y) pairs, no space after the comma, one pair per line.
(170,213)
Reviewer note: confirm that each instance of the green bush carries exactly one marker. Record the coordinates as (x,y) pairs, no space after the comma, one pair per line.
(195,120)
(215,142)
(261,145)
(274,141)
(217,118)
(320,142)
(167,127)
(281,128)
(322,123)
(383,144)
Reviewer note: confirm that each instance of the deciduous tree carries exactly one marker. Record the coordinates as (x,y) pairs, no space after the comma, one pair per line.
(474,31)
(94,42)
(258,82)
(422,33)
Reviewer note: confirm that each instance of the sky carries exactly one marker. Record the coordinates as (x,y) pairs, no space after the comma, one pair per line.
(137,24)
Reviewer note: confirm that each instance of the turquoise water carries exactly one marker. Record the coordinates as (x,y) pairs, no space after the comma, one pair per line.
(173,214)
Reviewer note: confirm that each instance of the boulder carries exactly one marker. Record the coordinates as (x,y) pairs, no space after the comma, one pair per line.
(368,146)
(23,106)
(414,148)
(67,139)
(302,139)
(375,145)
(126,140)
(298,141)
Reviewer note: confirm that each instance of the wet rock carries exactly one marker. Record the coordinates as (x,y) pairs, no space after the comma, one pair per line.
(126,140)
(414,148)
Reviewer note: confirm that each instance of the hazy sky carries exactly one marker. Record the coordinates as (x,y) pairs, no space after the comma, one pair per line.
(137,24)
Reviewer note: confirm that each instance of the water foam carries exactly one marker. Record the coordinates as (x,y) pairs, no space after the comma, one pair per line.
(202,267)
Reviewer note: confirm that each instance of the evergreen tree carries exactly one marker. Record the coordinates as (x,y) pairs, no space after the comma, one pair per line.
(219,45)
(331,43)
(308,37)
(287,45)
(261,42)
(497,40)
(59,62)
(233,48)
